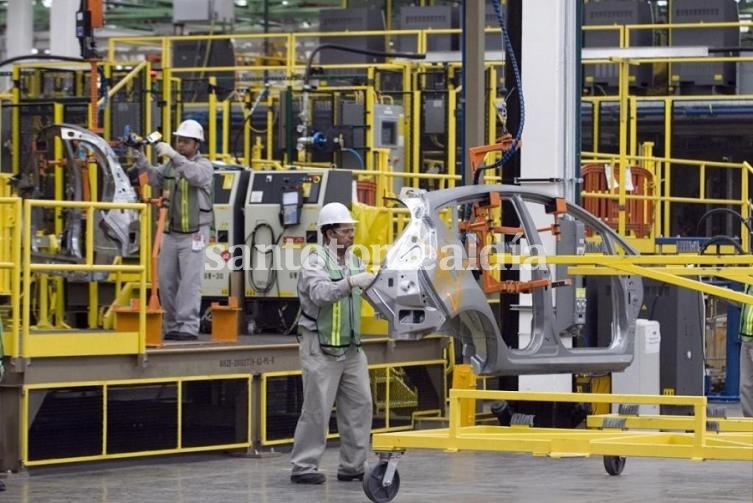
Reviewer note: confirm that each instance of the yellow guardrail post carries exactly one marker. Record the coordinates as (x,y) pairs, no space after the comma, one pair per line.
(212,119)
(226,112)
(464,378)
(745,174)
(15,117)
(622,164)
(452,103)
(10,263)
(167,97)
(246,128)
(93,315)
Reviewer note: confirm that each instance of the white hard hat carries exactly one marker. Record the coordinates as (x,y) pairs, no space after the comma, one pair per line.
(190,129)
(334,213)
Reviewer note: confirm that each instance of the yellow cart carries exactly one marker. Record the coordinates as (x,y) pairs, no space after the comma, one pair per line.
(696,437)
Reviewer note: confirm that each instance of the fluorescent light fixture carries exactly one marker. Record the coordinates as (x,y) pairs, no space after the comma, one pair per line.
(644,52)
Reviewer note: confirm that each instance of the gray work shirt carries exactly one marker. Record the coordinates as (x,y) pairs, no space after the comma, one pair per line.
(316,289)
(198,171)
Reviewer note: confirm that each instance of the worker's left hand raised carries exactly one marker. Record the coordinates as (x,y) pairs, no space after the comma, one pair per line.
(164,150)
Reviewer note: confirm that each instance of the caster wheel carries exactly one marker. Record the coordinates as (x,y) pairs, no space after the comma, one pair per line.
(372,484)
(614,464)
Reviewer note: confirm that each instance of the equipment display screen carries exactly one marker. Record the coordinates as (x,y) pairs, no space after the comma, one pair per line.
(389,133)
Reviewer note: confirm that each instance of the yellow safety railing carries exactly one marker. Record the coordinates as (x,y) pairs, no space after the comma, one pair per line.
(657,203)
(697,443)
(10,271)
(106,418)
(50,343)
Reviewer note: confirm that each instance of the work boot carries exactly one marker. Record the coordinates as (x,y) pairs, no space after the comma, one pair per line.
(349,477)
(308,478)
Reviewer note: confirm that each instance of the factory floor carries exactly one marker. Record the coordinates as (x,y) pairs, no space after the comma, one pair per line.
(426,475)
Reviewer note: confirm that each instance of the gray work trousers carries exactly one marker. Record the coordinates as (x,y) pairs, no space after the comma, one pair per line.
(181,269)
(746,377)
(328,381)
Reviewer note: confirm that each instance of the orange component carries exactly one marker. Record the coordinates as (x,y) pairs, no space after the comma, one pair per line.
(127,318)
(491,285)
(477,154)
(639,213)
(560,206)
(225,321)
(96,9)
(85,186)
(93,98)
(161,203)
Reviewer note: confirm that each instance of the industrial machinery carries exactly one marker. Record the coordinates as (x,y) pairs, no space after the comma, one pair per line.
(230,186)
(115,231)
(281,209)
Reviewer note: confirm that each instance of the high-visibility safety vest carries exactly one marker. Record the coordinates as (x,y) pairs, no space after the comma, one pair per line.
(183,210)
(746,316)
(339,324)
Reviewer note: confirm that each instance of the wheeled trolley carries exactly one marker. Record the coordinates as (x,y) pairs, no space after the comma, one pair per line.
(696,438)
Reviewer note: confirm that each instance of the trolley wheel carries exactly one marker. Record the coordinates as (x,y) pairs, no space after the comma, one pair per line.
(614,464)
(372,484)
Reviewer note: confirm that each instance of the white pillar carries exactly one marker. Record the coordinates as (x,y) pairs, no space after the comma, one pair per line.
(19,33)
(548,73)
(63,41)
(548,150)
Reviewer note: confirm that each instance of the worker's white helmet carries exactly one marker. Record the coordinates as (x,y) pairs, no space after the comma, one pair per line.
(334,213)
(190,129)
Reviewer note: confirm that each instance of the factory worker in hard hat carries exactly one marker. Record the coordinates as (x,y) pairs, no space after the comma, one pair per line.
(334,365)
(185,181)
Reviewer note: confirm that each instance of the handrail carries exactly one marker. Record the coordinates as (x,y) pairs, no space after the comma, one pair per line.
(130,76)
(659,168)
(10,269)
(23,251)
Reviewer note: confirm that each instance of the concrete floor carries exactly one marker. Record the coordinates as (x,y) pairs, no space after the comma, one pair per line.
(427,475)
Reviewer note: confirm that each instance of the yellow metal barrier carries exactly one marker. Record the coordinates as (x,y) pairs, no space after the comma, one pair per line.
(105,386)
(10,271)
(661,199)
(696,444)
(53,343)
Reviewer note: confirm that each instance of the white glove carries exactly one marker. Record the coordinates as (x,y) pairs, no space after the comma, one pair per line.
(164,150)
(362,280)
(139,159)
